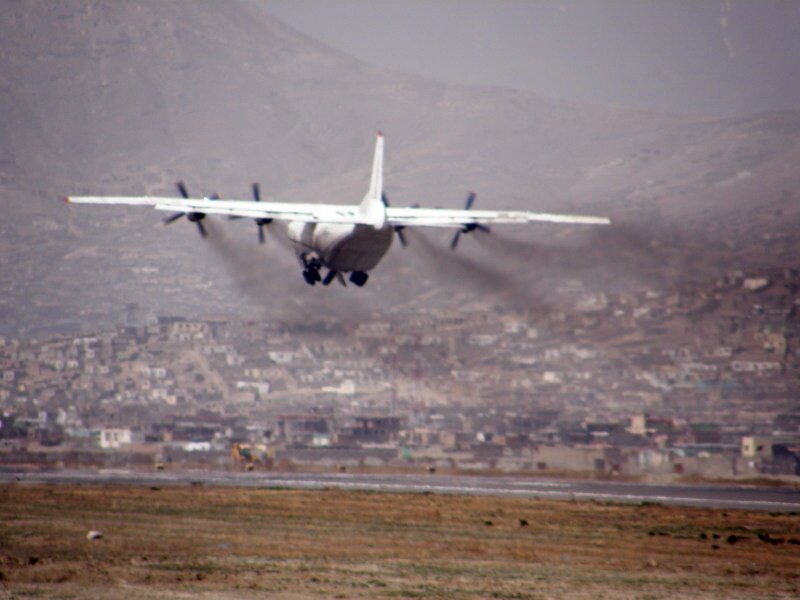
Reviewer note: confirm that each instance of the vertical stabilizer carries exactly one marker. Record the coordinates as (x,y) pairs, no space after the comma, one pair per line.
(372,208)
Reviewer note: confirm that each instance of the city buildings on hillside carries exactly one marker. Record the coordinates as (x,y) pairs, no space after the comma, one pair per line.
(624,382)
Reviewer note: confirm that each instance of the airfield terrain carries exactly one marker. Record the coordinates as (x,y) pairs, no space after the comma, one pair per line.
(177,542)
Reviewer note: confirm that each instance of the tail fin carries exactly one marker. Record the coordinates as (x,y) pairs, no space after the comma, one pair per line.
(372,208)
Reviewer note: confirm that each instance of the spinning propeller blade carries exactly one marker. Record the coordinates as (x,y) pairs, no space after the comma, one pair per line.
(173,218)
(398,229)
(468,227)
(195,217)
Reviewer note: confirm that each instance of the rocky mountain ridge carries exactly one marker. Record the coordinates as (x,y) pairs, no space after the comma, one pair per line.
(128,97)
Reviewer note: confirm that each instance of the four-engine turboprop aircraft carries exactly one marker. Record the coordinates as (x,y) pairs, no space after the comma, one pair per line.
(340,238)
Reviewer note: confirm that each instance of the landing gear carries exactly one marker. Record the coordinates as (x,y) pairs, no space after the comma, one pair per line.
(311,267)
(311,276)
(329,277)
(311,272)
(359,278)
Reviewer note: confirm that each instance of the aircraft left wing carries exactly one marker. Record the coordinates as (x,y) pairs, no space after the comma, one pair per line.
(282,211)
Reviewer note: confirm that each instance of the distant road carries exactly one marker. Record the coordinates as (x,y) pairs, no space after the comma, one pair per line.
(708,496)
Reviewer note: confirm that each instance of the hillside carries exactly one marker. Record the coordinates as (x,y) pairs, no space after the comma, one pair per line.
(128,97)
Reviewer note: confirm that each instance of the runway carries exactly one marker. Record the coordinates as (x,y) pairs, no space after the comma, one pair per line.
(708,496)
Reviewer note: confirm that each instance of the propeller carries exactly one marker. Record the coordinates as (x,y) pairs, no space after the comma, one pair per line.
(182,189)
(261,221)
(398,229)
(468,227)
(173,218)
(200,227)
(194,217)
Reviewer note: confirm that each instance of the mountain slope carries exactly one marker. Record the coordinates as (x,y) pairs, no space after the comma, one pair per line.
(128,97)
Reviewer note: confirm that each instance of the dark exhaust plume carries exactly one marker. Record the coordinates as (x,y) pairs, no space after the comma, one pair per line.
(248,265)
(613,258)
(461,271)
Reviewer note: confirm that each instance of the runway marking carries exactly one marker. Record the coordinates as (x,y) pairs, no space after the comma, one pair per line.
(703,497)
(483,491)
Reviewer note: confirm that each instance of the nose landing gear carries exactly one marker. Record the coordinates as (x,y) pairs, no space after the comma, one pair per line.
(311,267)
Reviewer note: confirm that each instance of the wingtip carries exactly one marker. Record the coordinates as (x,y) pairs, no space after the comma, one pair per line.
(380,133)
(66,199)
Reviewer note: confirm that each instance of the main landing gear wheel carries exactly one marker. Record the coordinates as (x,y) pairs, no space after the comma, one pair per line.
(329,277)
(359,278)
(311,276)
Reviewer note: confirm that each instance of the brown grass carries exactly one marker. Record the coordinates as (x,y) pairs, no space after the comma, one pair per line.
(243,543)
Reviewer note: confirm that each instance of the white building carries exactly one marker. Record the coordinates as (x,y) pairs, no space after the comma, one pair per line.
(115,437)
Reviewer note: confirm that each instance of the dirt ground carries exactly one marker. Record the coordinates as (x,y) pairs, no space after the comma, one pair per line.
(201,542)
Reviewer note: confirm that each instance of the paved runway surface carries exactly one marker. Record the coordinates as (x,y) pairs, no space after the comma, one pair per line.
(727,496)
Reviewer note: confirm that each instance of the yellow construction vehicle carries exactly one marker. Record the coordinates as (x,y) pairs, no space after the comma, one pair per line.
(251,455)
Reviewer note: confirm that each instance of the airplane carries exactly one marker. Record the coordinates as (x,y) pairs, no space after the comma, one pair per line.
(343,239)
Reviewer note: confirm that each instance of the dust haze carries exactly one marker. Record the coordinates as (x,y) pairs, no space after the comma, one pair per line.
(735,57)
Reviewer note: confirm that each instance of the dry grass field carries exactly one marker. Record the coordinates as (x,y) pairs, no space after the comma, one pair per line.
(198,542)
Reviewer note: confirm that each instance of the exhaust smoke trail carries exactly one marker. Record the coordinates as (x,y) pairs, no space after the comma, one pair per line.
(608,259)
(244,263)
(264,274)
(459,269)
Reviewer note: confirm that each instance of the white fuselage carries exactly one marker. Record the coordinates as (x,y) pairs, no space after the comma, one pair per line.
(343,248)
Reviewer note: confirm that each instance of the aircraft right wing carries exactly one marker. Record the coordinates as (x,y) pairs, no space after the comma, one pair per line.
(459,218)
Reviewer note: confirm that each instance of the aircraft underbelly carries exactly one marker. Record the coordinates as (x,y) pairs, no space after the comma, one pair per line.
(361,249)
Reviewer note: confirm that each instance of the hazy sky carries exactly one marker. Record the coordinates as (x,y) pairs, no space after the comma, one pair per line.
(702,56)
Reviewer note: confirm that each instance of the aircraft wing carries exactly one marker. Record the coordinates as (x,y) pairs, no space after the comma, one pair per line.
(282,211)
(334,213)
(443,217)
